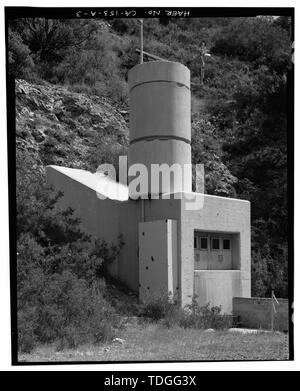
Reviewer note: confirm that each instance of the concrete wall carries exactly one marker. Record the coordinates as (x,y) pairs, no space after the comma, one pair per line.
(217,287)
(98,217)
(255,313)
(214,214)
(108,218)
(131,213)
(101,218)
(128,260)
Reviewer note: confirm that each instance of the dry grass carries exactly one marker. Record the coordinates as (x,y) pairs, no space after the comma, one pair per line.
(153,342)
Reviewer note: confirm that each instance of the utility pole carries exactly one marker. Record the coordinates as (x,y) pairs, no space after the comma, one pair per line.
(141,40)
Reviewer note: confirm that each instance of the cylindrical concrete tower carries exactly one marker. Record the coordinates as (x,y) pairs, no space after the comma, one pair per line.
(160,120)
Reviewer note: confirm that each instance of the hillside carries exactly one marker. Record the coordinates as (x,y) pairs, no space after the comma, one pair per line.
(57,126)
(72,107)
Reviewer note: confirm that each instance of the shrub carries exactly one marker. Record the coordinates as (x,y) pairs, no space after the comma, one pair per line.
(20,62)
(159,307)
(61,296)
(203,317)
(65,309)
(27,338)
(256,40)
(60,290)
(156,307)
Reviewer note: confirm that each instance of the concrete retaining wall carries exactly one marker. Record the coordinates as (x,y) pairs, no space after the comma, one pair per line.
(217,287)
(109,218)
(100,218)
(255,313)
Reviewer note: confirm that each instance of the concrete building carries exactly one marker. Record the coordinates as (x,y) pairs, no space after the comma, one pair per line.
(176,242)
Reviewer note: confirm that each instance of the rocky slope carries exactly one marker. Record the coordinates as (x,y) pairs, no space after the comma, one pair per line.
(58,126)
(55,125)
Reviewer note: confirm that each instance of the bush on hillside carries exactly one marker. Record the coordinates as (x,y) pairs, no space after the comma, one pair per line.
(165,309)
(255,40)
(64,309)
(19,56)
(204,317)
(60,292)
(156,307)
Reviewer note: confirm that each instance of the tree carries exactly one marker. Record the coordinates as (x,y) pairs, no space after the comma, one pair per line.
(20,62)
(255,40)
(48,38)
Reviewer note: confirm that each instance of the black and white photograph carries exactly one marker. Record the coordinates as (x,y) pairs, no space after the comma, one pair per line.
(151,184)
